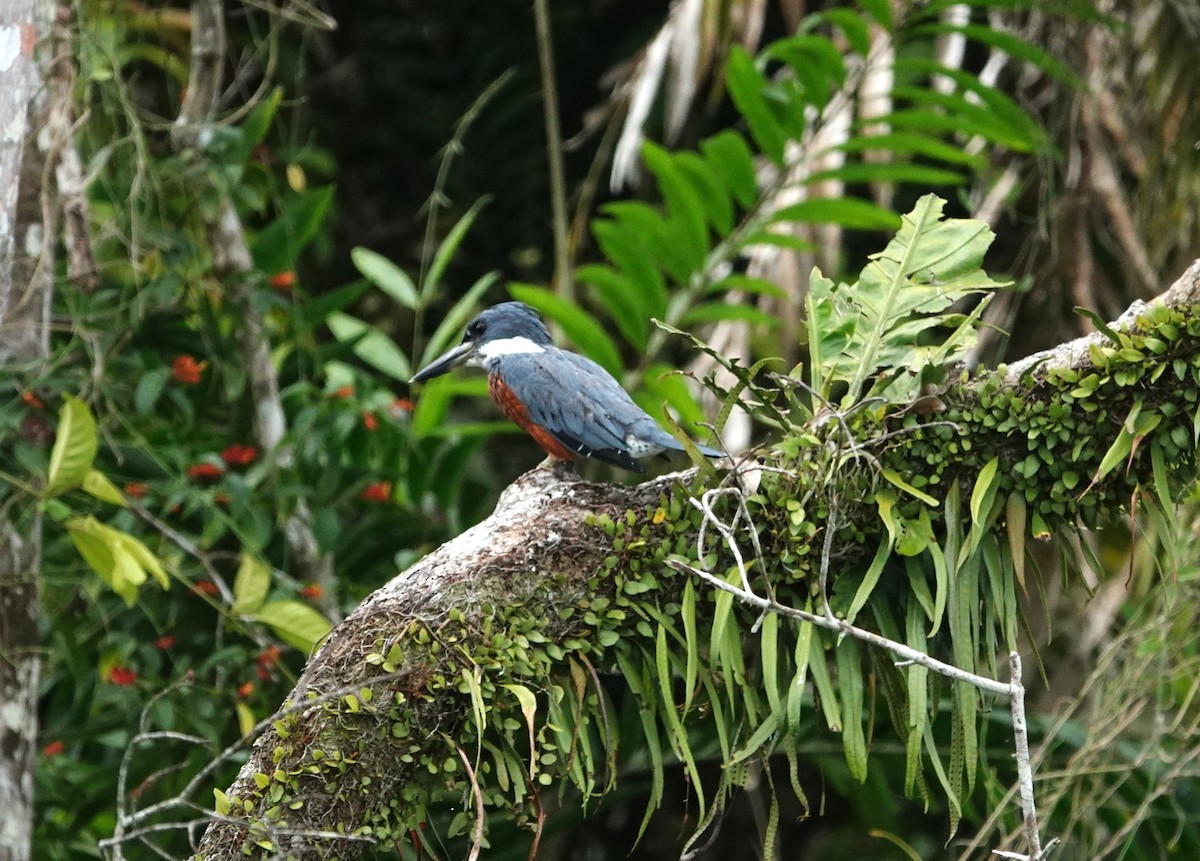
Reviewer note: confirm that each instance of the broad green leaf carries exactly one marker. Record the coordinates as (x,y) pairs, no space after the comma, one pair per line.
(732,160)
(277,246)
(97,484)
(119,559)
(632,249)
(855,28)
(294,622)
(371,345)
(387,276)
(615,290)
(747,87)
(1116,454)
(850,687)
(687,219)
(984,491)
(709,189)
(250,585)
(75,445)
(580,327)
(1015,520)
(768,648)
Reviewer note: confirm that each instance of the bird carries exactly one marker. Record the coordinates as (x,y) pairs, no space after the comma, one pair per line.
(573,408)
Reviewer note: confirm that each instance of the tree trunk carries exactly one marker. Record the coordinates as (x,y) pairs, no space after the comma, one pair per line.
(26,280)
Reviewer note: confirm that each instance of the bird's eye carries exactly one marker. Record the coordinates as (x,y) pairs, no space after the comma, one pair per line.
(476,329)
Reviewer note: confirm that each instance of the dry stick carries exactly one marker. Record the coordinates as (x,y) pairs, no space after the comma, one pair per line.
(558,183)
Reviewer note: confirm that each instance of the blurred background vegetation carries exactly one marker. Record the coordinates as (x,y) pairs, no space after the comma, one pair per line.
(390,165)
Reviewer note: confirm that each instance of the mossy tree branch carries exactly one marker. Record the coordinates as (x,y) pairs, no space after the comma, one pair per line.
(493,640)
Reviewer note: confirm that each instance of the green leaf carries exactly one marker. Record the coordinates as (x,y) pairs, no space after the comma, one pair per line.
(445,251)
(894,478)
(580,327)
(731,159)
(747,87)
(984,491)
(294,622)
(845,211)
(387,276)
(97,484)
(119,559)
(686,222)
(277,246)
(913,143)
(75,445)
(616,290)
(709,190)
(222,803)
(149,387)
(889,172)
(850,686)
(371,345)
(250,585)
(526,700)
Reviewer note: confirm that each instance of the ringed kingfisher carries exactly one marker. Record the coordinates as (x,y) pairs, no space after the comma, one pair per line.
(571,406)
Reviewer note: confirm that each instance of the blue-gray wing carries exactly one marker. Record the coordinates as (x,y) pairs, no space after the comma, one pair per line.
(579,402)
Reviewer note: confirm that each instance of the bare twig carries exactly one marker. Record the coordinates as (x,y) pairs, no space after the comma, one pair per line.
(563,279)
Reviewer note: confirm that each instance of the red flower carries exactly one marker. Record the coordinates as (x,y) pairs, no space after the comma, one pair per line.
(205,471)
(164,642)
(122,676)
(401,405)
(369,421)
(136,490)
(245,689)
(312,590)
(54,748)
(187,370)
(284,280)
(380,491)
(239,455)
(32,400)
(207,587)
(266,659)
(343,392)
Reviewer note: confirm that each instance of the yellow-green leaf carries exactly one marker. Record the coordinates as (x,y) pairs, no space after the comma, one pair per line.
(894,478)
(97,484)
(250,585)
(74,449)
(294,622)
(223,804)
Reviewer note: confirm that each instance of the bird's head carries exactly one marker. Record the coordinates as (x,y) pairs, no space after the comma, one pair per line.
(505,329)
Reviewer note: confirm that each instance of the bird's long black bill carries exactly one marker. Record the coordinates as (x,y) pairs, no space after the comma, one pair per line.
(443,363)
